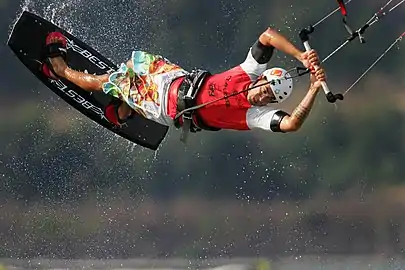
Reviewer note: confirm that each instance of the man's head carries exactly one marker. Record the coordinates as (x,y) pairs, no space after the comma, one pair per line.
(275,87)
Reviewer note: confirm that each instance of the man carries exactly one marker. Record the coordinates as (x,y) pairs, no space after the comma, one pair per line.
(158,89)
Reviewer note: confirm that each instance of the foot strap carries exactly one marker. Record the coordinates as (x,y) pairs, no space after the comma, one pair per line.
(51,50)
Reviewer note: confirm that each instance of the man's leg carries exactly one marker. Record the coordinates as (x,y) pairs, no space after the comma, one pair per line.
(88,82)
(116,114)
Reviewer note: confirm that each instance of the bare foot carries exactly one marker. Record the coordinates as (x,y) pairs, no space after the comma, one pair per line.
(59,66)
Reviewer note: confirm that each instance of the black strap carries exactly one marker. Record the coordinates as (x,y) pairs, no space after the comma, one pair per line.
(192,81)
(55,50)
(275,121)
(261,53)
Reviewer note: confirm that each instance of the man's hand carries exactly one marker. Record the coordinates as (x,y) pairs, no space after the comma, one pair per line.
(310,59)
(317,78)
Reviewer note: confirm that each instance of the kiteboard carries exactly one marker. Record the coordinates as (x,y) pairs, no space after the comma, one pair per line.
(27,41)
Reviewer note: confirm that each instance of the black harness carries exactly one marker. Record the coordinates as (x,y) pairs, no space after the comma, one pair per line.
(186,98)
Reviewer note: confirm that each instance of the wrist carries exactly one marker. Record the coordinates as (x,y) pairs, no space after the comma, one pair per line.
(298,56)
(314,88)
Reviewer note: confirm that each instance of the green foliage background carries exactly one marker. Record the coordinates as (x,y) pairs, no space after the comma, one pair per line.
(53,160)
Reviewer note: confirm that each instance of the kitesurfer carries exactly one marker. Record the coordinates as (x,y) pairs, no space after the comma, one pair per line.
(158,89)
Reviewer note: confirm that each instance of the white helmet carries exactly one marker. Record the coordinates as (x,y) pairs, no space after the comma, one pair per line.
(281,84)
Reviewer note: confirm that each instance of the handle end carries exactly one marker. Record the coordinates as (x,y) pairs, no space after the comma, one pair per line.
(332,98)
(304,33)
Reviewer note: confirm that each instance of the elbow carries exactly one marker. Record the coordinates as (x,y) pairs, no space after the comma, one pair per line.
(295,128)
(293,125)
(269,31)
(267,36)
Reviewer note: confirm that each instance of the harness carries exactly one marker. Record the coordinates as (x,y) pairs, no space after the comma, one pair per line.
(186,98)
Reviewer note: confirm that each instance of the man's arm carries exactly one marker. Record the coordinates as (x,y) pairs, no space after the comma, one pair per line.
(267,118)
(262,51)
(272,38)
(293,122)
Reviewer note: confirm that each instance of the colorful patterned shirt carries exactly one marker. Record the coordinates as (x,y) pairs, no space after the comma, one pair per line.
(145,86)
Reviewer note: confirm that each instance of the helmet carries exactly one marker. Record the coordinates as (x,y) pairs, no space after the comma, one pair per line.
(281,85)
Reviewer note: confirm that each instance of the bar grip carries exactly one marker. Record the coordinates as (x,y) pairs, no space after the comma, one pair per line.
(324,85)
(329,95)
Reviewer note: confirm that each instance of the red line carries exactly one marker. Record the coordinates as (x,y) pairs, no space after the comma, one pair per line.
(342,7)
